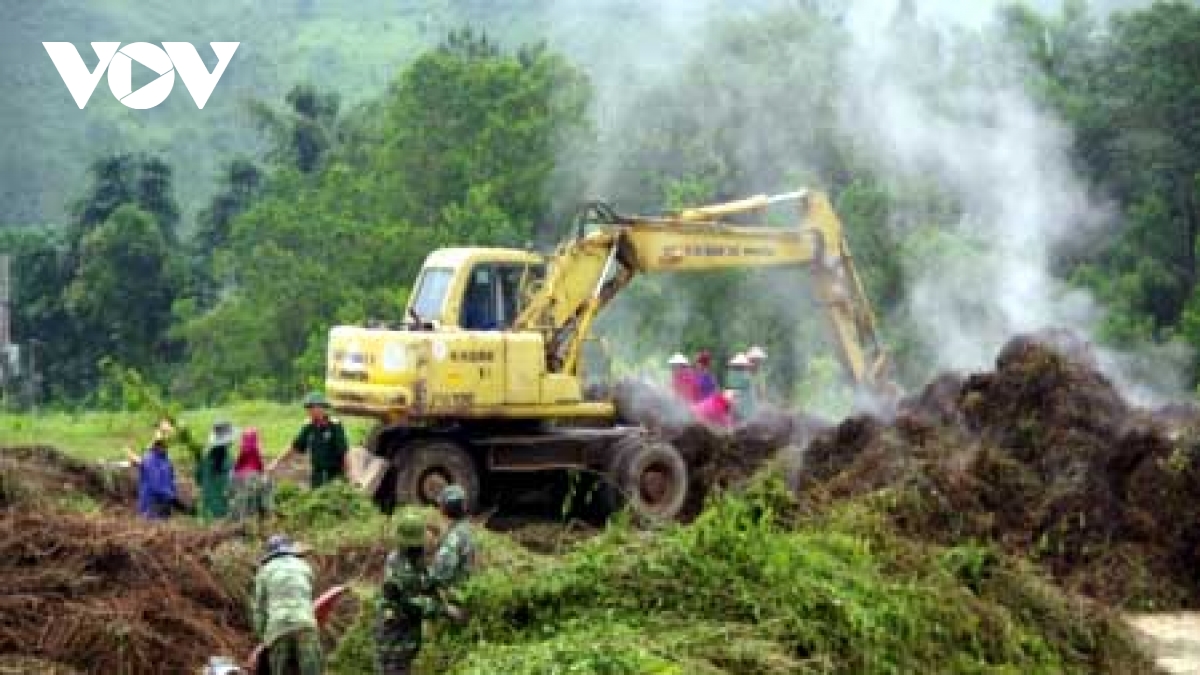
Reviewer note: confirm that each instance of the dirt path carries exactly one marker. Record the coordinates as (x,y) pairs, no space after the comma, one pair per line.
(1173,639)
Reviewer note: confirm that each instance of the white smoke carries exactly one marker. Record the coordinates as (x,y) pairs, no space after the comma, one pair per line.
(964,121)
(932,102)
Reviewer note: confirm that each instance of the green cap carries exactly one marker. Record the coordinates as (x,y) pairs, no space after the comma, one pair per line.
(410,530)
(453,493)
(316,400)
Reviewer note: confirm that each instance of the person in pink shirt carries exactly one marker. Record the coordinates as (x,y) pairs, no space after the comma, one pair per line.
(716,409)
(251,490)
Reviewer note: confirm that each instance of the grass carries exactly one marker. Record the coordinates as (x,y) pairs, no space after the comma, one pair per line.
(102,435)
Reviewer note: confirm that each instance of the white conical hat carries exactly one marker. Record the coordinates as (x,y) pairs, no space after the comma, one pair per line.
(678,360)
(739,360)
(756,353)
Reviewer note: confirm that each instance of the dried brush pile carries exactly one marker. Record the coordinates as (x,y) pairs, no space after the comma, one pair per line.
(108,595)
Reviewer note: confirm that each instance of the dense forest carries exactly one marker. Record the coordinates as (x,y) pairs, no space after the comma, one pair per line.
(1036,167)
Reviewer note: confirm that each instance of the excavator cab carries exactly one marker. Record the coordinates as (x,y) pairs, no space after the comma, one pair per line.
(457,357)
(473,289)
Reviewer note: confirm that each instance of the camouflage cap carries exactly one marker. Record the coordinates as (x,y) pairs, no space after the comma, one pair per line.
(410,530)
(316,400)
(453,494)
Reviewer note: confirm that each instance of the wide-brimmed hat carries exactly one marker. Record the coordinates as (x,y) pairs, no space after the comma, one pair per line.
(281,544)
(739,361)
(222,434)
(678,360)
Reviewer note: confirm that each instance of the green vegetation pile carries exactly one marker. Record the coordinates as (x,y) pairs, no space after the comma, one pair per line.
(754,585)
(1043,457)
(107,594)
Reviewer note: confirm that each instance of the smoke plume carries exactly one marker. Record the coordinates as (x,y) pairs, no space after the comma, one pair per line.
(926,94)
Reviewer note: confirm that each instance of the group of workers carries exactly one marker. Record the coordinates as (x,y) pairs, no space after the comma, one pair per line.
(428,562)
(698,387)
(419,578)
(237,486)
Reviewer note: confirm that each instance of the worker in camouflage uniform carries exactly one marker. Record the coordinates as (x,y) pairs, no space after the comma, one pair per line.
(455,555)
(323,439)
(406,599)
(283,609)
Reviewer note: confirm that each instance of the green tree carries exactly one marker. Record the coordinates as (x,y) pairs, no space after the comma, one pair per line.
(139,179)
(122,291)
(305,131)
(470,117)
(1130,93)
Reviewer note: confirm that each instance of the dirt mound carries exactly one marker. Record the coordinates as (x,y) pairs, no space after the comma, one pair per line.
(1041,455)
(36,472)
(108,595)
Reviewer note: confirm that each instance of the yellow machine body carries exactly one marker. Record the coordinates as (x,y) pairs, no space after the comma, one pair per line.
(501,333)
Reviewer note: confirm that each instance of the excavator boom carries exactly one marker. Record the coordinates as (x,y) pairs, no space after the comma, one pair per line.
(587,272)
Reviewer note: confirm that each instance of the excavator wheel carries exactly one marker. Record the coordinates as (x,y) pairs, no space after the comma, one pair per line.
(653,477)
(423,468)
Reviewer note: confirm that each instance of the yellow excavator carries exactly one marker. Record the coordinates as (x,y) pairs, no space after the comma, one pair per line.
(493,370)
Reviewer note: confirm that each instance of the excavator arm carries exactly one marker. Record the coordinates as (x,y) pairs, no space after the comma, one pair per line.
(587,272)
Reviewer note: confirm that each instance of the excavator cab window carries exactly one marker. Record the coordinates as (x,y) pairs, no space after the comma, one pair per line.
(431,292)
(479,309)
(493,299)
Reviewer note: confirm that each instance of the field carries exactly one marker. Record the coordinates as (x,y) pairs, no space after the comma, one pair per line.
(99,436)
(995,523)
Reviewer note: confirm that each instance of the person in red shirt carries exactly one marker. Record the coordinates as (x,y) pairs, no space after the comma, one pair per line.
(251,490)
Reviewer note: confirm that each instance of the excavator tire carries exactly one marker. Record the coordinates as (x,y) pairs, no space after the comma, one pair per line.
(423,468)
(653,478)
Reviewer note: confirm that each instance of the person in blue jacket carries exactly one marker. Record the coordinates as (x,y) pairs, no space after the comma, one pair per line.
(156,479)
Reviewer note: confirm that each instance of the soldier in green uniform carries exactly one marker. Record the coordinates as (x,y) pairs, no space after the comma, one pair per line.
(406,599)
(454,558)
(283,609)
(323,439)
